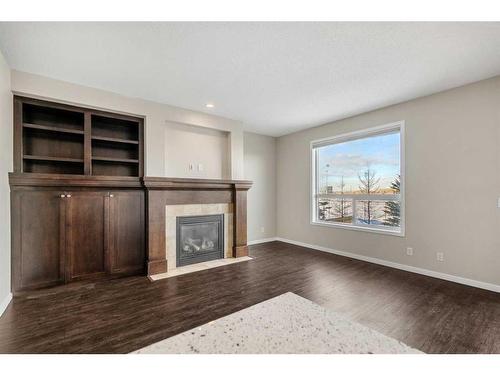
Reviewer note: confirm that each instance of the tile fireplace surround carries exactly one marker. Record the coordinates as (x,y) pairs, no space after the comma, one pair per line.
(168,198)
(173,211)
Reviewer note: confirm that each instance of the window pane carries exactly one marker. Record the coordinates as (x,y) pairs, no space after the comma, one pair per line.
(334,210)
(363,166)
(377,212)
(357,182)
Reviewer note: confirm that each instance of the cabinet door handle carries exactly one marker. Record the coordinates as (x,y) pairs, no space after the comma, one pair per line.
(62,195)
(68,196)
(111,195)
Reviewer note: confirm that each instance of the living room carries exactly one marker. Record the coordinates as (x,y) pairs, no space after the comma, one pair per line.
(250,188)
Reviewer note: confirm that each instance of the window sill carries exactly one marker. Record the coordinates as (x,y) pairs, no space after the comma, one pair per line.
(361,228)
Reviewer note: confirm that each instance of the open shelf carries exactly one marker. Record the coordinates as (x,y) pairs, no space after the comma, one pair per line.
(51,158)
(50,144)
(114,160)
(107,168)
(54,138)
(116,140)
(36,164)
(52,129)
(115,146)
(53,117)
(114,150)
(114,128)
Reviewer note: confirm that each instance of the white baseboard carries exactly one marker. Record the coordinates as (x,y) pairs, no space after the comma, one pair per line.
(255,242)
(5,303)
(404,267)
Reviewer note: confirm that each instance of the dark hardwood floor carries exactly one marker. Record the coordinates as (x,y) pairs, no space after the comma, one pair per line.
(123,315)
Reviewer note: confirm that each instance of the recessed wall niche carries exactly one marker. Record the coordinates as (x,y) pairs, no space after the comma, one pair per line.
(196,152)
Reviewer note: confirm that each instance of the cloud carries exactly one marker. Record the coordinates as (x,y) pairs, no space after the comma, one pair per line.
(345,164)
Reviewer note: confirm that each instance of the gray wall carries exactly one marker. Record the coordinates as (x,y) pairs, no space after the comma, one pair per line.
(6,134)
(452,184)
(260,167)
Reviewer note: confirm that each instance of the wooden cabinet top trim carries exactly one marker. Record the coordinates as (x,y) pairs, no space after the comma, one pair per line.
(151,183)
(64,180)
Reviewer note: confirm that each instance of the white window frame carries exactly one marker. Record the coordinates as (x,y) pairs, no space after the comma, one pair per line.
(377,130)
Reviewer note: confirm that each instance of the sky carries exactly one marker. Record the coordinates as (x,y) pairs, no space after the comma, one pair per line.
(380,153)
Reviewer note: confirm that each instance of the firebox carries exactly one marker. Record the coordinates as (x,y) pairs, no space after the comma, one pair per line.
(199,239)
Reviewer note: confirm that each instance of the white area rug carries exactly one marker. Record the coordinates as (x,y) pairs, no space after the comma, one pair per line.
(198,267)
(284,324)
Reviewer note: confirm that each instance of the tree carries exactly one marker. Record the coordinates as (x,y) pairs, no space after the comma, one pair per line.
(392,209)
(323,209)
(369,184)
(342,206)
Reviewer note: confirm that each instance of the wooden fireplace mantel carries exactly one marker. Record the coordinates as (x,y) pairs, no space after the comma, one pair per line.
(163,191)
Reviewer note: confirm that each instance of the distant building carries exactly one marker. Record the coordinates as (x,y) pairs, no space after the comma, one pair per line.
(329,189)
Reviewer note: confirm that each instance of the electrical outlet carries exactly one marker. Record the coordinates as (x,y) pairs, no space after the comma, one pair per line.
(440,256)
(409,251)
(262,230)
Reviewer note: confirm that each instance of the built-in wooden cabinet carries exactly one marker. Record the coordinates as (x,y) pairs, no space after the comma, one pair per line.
(87,233)
(37,226)
(63,236)
(126,232)
(78,207)
(61,139)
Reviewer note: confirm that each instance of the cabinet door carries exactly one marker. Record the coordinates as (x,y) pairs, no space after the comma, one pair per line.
(86,234)
(127,240)
(37,238)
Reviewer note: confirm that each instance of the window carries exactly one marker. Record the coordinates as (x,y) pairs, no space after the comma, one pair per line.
(358,180)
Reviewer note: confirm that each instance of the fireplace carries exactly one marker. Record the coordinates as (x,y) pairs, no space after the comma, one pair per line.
(168,198)
(199,239)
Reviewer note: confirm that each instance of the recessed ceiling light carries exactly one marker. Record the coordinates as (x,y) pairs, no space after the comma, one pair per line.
(209,105)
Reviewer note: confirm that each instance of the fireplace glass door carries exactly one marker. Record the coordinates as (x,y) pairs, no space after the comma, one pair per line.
(199,239)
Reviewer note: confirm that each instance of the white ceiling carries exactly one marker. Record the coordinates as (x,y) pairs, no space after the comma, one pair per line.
(274,77)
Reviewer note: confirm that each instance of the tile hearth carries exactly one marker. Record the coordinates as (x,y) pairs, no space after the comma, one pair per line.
(198,267)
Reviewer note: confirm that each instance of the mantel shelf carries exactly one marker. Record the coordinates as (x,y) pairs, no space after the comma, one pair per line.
(166,183)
